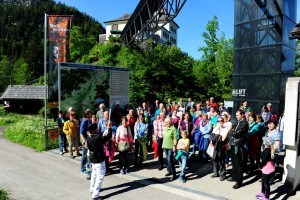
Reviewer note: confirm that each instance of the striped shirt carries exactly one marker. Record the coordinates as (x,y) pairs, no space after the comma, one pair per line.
(159,126)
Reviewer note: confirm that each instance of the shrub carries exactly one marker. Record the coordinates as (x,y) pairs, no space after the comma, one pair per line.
(3,195)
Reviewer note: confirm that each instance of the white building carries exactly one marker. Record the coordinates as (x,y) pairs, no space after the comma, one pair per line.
(167,34)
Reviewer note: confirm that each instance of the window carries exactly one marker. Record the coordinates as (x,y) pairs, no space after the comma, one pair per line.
(114,27)
(165,34)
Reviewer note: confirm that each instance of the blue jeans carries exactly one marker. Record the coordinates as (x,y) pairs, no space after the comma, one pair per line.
(62,141)
(281,139)
(84,164)
(182,165)
(170,161)
(206,143)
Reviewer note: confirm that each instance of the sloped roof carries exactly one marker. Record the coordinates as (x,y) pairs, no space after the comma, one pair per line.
(23,92)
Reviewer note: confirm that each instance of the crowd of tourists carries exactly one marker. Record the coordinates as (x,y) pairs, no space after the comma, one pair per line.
(176,131)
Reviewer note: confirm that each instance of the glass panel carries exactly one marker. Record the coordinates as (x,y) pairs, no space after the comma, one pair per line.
(288,60)
(288,25)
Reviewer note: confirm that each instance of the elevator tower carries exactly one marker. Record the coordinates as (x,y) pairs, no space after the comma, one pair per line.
(263,54)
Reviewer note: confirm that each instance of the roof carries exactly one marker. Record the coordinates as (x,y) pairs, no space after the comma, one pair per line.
(24,92)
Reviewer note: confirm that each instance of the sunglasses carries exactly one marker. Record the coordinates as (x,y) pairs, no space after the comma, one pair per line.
(220,121)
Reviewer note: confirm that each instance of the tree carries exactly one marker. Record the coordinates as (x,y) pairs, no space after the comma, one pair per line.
(214,70)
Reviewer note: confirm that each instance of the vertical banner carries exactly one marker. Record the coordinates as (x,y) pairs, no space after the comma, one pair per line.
(59,39)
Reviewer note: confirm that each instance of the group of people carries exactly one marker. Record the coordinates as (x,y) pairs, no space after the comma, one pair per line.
(171,129)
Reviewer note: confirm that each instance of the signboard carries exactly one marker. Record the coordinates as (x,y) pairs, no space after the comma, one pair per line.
(238,92)
(53,134)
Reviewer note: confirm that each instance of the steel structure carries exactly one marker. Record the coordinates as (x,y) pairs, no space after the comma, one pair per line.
(263,54)
(144,21)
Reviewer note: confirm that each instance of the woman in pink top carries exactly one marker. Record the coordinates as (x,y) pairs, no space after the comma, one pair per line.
(123,134)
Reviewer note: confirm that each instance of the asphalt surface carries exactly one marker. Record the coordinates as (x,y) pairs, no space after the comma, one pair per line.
(27,174)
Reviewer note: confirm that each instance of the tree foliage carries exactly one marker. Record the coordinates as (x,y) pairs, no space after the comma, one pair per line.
(213,71)
(22,35)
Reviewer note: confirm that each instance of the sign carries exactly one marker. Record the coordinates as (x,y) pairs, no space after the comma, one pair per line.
(53,134)
(53,105)
(238,92)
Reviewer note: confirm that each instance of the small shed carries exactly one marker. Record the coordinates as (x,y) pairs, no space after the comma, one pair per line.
(24,98)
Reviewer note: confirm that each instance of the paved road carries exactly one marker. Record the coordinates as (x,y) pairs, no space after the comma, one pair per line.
(27,174)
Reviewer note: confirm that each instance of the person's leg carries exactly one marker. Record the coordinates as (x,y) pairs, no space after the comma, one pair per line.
(222,167)
(83,160)
(184,159)
(126,166)
(240,164)
(64,137)
(121,160)
(215,168)
(160,152)
(60,143)
(267,185)
(93,178)
(100,169)
(136,152)
(234,163)
(168,157)
(206,143)
(281,139)
(76,142)
(180,167)
(70,141)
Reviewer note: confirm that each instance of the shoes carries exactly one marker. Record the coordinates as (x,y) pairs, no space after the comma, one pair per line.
(230,179)
(160,167)
(260,195)
(126,171)
(122,172)
(66,151)
(98,198)
(71,156)
(61,153)
(214,176)
(88,177)
(222,179)
(78,154)
(168,174)
(173,178)
(182,179)
(85,172)
(236,186)
(263,198)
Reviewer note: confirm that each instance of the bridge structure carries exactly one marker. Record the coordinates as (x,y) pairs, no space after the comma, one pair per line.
(144,21)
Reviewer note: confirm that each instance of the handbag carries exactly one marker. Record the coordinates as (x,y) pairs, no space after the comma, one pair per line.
(123,146)
(210,151)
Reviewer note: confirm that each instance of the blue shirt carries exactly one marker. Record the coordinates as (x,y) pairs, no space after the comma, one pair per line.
(84,126)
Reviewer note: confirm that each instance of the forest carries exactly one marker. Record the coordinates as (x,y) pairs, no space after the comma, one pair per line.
(156,72)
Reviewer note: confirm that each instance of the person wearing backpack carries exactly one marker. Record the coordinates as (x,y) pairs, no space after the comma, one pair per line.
(95,144)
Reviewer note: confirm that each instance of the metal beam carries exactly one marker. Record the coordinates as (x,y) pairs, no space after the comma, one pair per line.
(144,21)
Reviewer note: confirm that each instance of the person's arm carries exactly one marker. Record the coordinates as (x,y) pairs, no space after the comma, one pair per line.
(175,136)
(241,130)
(146,131)
(253,130)
(136,128)
(66,128)
(208,128)
(224,137)
(118,135)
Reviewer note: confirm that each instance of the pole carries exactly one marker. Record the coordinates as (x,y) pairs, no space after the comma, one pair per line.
(45,80)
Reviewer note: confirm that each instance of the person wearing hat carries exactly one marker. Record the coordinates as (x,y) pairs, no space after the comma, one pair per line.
(95,143)
(267,167)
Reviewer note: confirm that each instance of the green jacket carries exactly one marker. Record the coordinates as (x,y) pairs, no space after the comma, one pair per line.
(170,134)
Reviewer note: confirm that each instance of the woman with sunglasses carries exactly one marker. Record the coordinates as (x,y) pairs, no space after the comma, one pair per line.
(219,141)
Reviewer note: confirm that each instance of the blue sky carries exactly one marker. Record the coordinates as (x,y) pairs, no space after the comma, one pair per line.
(192,19)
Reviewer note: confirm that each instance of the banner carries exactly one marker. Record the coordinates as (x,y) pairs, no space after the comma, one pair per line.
(59,40)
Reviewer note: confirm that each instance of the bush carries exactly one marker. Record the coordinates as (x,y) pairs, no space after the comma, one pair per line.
(3,195)
(26,130)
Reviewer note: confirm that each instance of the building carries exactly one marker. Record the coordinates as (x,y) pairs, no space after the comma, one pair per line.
(166,35)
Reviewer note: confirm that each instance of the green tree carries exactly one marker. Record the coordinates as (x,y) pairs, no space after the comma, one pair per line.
(213,71)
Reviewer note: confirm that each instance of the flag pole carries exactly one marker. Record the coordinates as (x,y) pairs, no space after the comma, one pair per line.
(45,80)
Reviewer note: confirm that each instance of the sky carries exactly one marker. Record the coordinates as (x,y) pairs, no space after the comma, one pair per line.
(192,19)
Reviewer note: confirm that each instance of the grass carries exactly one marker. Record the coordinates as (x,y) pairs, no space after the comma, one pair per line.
(25,130)
(3,195)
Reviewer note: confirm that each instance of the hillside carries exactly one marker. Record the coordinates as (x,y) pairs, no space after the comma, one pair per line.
(22,36)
